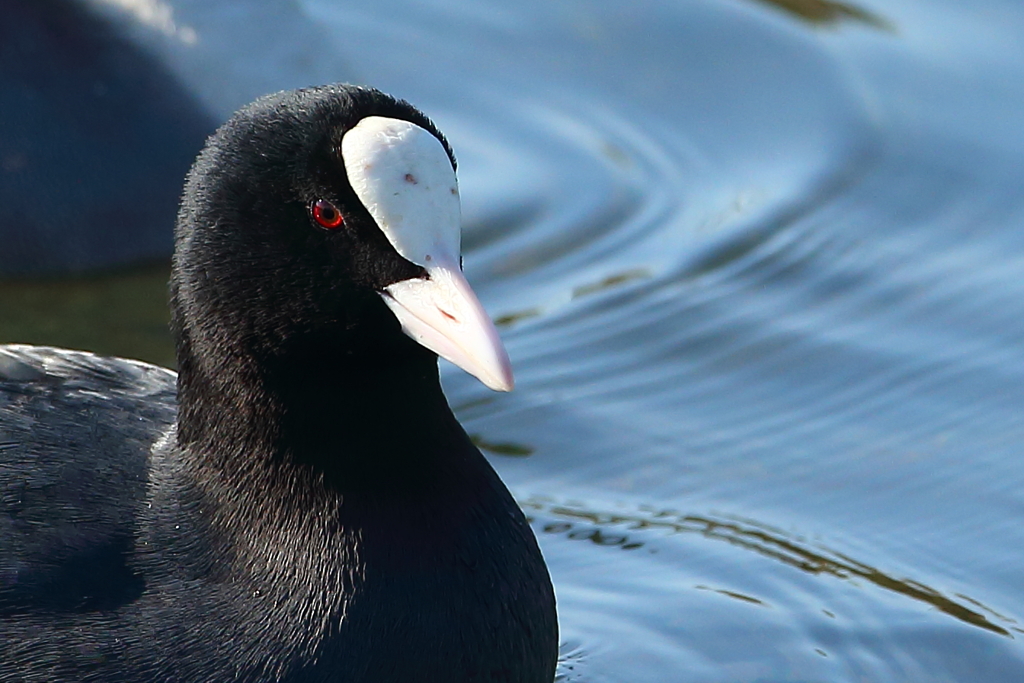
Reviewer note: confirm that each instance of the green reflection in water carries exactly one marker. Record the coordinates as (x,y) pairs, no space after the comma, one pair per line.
(823,12)
(611,282)
(604,284)
(585,524)
(510,448)
(509,319)
(473,403)
(118,314)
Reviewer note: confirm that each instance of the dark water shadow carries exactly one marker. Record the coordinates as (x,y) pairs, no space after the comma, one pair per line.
(609,529)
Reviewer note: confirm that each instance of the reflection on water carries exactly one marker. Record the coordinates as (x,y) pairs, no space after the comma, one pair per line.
(509,319)
(606,529)
(827,12)
(604,284)
(611,282)
(570,656)
(515,450)
(732,594)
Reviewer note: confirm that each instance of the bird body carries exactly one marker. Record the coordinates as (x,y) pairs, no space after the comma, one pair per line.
(299,503)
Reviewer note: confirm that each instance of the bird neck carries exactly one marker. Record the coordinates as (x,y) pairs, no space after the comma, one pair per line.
(354,414)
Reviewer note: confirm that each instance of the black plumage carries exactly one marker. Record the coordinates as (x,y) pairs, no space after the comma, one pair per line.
(302,505)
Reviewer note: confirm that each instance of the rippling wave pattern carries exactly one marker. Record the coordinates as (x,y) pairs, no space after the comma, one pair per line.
(760,268)
(608,529)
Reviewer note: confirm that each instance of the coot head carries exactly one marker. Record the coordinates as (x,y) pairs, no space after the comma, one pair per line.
(320,222)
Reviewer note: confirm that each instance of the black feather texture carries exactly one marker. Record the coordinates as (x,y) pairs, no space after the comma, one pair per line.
(302,505)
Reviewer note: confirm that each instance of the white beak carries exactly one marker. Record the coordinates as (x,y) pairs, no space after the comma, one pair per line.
(443,314)
(403,176)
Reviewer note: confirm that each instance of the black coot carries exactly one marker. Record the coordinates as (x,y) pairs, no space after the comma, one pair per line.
(302,505)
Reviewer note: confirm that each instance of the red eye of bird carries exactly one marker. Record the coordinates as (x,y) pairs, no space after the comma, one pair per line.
(327,215)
